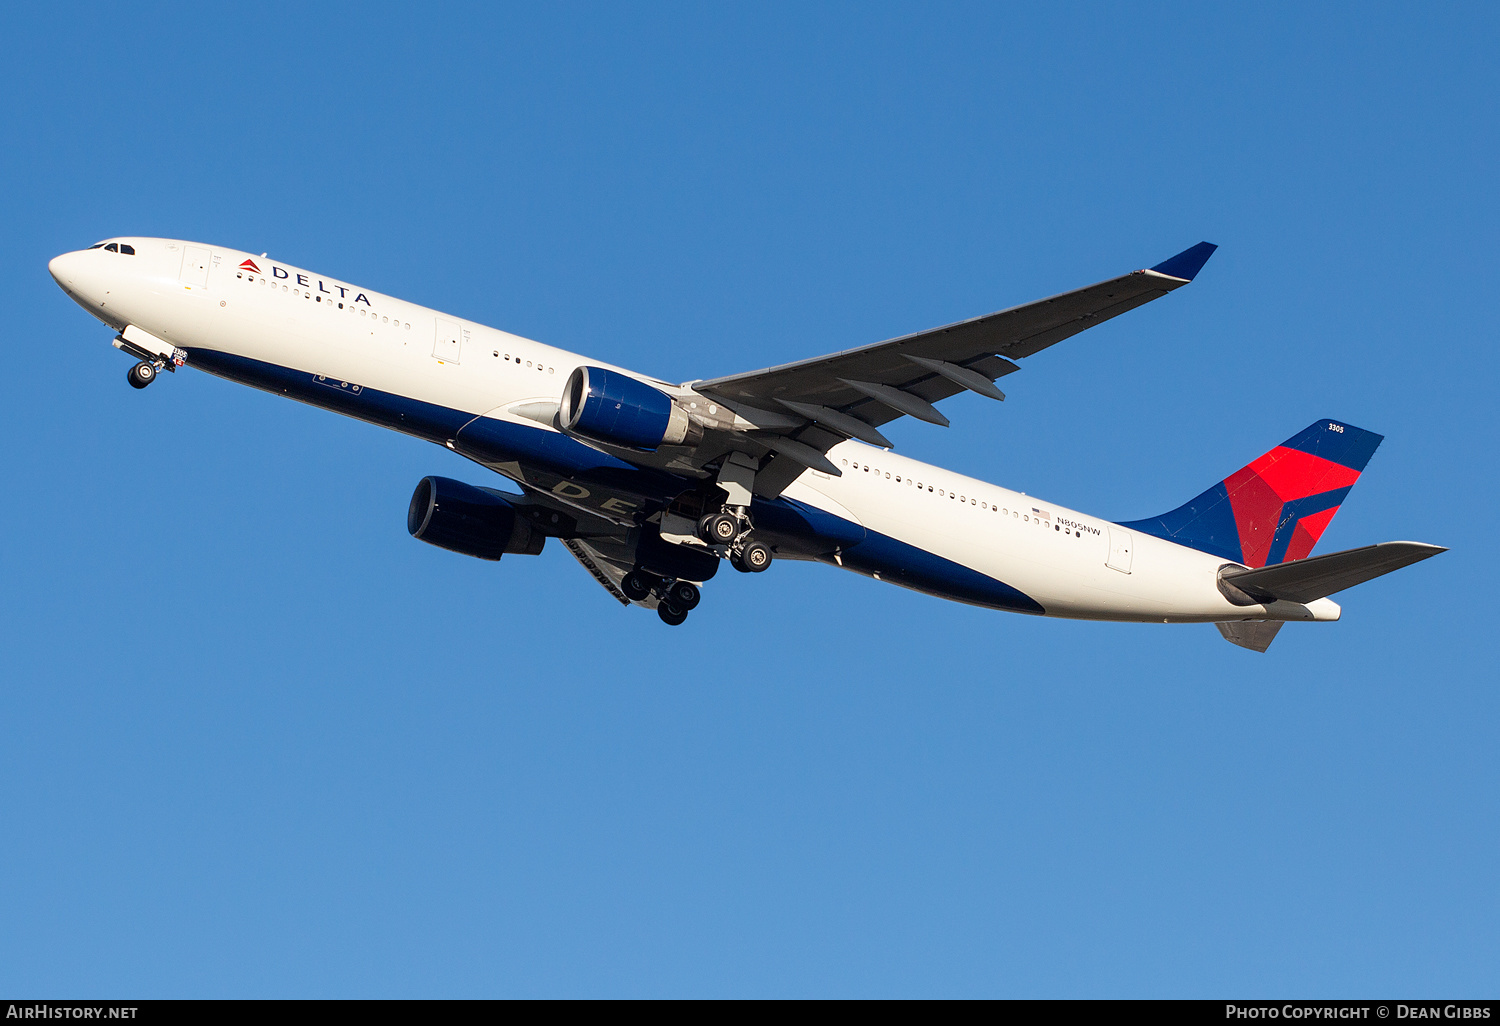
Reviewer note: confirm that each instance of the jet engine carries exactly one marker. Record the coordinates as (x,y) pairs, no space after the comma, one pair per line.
(614,408)
(475,521)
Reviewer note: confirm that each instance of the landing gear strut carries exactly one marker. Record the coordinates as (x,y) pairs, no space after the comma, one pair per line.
(675,599)
(685,595)
(637,585)
(729,531)
(753,557)
(719,528)
(142,374)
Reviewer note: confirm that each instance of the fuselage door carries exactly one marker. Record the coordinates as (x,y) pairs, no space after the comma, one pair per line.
(449,341)
(195,266)
(1119,550)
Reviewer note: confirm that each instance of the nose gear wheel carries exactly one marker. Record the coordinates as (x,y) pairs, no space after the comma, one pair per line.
(141,375)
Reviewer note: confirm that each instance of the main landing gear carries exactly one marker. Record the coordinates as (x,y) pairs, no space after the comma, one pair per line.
(675,599)
(730,531)
(142,374)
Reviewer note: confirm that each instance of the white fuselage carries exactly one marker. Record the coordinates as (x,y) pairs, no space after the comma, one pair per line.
(207,301)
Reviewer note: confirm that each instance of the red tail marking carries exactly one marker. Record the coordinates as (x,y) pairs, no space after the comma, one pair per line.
(1307,532)
(1293,474)
(1256,509)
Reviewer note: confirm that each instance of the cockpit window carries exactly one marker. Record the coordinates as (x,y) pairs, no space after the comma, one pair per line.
(127,249)
(97,245)
(112,248)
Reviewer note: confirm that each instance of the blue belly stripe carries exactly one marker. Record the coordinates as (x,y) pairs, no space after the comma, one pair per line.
(812,531)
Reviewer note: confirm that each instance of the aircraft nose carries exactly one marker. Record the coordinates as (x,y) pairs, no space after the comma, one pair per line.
(60,266)
(80,277)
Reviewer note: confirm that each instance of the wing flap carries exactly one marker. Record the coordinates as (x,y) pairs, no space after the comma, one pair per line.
(607,575)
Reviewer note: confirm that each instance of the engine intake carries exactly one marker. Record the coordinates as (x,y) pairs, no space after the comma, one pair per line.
(474,521)
(614,408)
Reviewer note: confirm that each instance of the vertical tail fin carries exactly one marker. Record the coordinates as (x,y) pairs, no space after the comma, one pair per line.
(1276,508)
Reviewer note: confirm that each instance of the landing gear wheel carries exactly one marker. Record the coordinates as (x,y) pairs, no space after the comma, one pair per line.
(718,528)
(755,557)
(684,595)
(636,585)
(671,614)
(141,375)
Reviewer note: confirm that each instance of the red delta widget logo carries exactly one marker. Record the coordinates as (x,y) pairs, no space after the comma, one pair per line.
(250,266)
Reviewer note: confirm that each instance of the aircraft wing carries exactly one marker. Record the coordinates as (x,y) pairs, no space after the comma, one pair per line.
(600,568)
(852,392)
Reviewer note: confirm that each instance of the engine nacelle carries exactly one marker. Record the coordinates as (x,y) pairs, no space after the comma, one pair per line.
(615,408)
(475,521)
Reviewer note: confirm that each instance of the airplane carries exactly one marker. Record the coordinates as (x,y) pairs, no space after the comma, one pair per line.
(650,485)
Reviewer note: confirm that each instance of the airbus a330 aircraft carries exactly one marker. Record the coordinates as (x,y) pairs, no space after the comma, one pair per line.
(651,484)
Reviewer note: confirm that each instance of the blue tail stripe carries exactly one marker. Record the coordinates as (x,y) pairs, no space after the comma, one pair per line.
(1344,444)
(1294,511)
(1205,523)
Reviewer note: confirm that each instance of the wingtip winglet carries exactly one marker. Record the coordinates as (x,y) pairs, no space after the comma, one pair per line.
(1188,263)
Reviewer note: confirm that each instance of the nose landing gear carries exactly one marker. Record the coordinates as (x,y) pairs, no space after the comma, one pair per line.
(142,374)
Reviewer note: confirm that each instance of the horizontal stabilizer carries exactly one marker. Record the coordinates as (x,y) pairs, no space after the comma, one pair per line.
(1256,635)
(1305,580)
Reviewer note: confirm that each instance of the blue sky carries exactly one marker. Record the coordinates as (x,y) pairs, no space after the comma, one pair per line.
(259,742)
